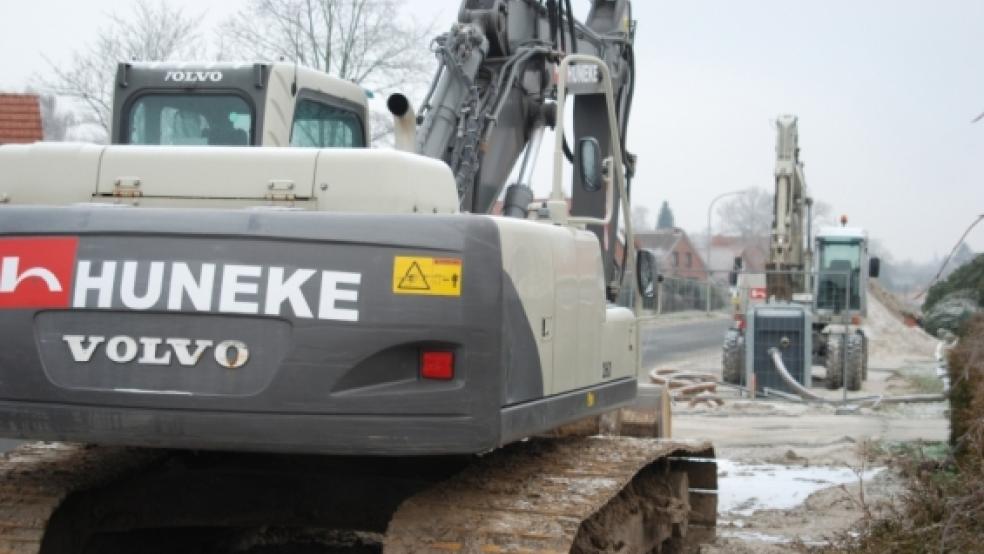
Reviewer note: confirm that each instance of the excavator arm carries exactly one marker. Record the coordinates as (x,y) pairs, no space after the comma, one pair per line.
(494,95)
(790,252)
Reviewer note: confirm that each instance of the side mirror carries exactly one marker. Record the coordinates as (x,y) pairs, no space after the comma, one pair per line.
(589,163)
(874,267)
(646,273)
(733,278)
(738,263)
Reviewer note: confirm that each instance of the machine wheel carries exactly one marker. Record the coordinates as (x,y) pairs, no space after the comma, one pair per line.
(833,362)
(733,357)
(854,372)
(864,357)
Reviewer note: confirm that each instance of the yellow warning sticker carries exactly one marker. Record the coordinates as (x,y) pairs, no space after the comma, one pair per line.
(427,276)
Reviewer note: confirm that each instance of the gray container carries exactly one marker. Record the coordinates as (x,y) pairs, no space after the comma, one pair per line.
(787,327)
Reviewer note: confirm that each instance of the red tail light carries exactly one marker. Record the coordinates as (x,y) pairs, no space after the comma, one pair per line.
(740,319)
(437,364)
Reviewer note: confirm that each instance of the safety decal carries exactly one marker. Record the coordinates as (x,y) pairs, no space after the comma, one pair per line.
(427,276)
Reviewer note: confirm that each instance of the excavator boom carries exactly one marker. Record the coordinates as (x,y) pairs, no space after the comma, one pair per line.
(790,254)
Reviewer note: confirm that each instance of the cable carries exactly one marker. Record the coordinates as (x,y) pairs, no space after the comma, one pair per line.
(570,25)
(552,18)
(950,255)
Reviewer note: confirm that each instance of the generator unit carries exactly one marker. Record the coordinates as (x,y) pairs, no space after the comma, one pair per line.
(785,326)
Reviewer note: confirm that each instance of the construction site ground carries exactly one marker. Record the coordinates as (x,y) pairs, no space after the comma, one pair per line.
(792,473)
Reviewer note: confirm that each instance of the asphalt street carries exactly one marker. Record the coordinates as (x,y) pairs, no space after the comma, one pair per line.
(664,343)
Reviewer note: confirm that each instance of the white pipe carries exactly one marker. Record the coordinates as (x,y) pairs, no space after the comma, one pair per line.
(404,122)
(806,394)
(793,383)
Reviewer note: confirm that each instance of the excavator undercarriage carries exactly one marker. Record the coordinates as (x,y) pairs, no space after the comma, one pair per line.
(571,494)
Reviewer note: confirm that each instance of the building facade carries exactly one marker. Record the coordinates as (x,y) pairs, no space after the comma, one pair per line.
(20,119)
(676,255)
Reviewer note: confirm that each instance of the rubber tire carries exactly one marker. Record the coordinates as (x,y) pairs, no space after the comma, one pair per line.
(733,357)
(833,362)
(855,362)
(864,358)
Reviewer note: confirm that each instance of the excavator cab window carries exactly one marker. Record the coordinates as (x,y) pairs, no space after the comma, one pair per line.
(840,263)
(319,125)
(190,120)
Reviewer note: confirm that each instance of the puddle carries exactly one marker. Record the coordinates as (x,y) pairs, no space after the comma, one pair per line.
(754,536)
(744,488)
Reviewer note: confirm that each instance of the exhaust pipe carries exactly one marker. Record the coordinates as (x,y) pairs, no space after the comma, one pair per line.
(404,122)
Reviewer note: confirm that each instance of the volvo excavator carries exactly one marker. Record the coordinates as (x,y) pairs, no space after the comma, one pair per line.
(239,329)
(812,296)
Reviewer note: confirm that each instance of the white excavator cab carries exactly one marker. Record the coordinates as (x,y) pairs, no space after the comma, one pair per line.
(237,104)
(843,269)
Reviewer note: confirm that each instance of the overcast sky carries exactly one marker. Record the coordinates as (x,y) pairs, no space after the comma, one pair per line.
(885,91)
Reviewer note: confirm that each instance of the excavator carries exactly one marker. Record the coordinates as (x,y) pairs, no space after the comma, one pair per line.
(811,302)
(238,328)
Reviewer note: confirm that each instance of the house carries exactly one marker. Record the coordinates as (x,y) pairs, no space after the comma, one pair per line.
(20,118)
(754,253)
(676,255)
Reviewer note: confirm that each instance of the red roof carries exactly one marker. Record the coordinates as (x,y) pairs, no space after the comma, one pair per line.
(20,118)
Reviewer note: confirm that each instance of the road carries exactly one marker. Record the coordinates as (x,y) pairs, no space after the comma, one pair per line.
(665,341)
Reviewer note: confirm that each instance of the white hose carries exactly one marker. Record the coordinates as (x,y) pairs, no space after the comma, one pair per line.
(807,394)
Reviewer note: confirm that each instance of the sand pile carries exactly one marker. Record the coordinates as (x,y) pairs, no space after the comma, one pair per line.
(892,339)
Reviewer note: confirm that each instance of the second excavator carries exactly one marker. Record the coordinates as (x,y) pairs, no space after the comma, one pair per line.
(810,302)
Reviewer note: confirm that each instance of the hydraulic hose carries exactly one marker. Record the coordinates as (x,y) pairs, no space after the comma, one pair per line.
(807,394)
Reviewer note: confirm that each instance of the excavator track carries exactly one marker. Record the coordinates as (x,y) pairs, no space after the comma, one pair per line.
(594,494)
(36,478)
(576,494)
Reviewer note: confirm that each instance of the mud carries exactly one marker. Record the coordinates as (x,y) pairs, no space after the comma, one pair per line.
(771,444)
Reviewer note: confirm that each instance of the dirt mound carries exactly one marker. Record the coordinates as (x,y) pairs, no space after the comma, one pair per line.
(892,339)
(902,307)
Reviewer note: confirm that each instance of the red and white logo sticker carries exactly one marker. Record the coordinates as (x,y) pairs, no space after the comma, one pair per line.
(758,294)
(37,272)
(44,273)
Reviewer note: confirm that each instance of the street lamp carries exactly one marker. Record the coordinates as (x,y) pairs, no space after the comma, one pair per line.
(707,249)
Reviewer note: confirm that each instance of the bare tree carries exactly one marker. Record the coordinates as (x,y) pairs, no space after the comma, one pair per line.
(823,213)
(640,219)
(151,31)
(57,123)
(877,248)
(748,215)
(823,216)
(369,42)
